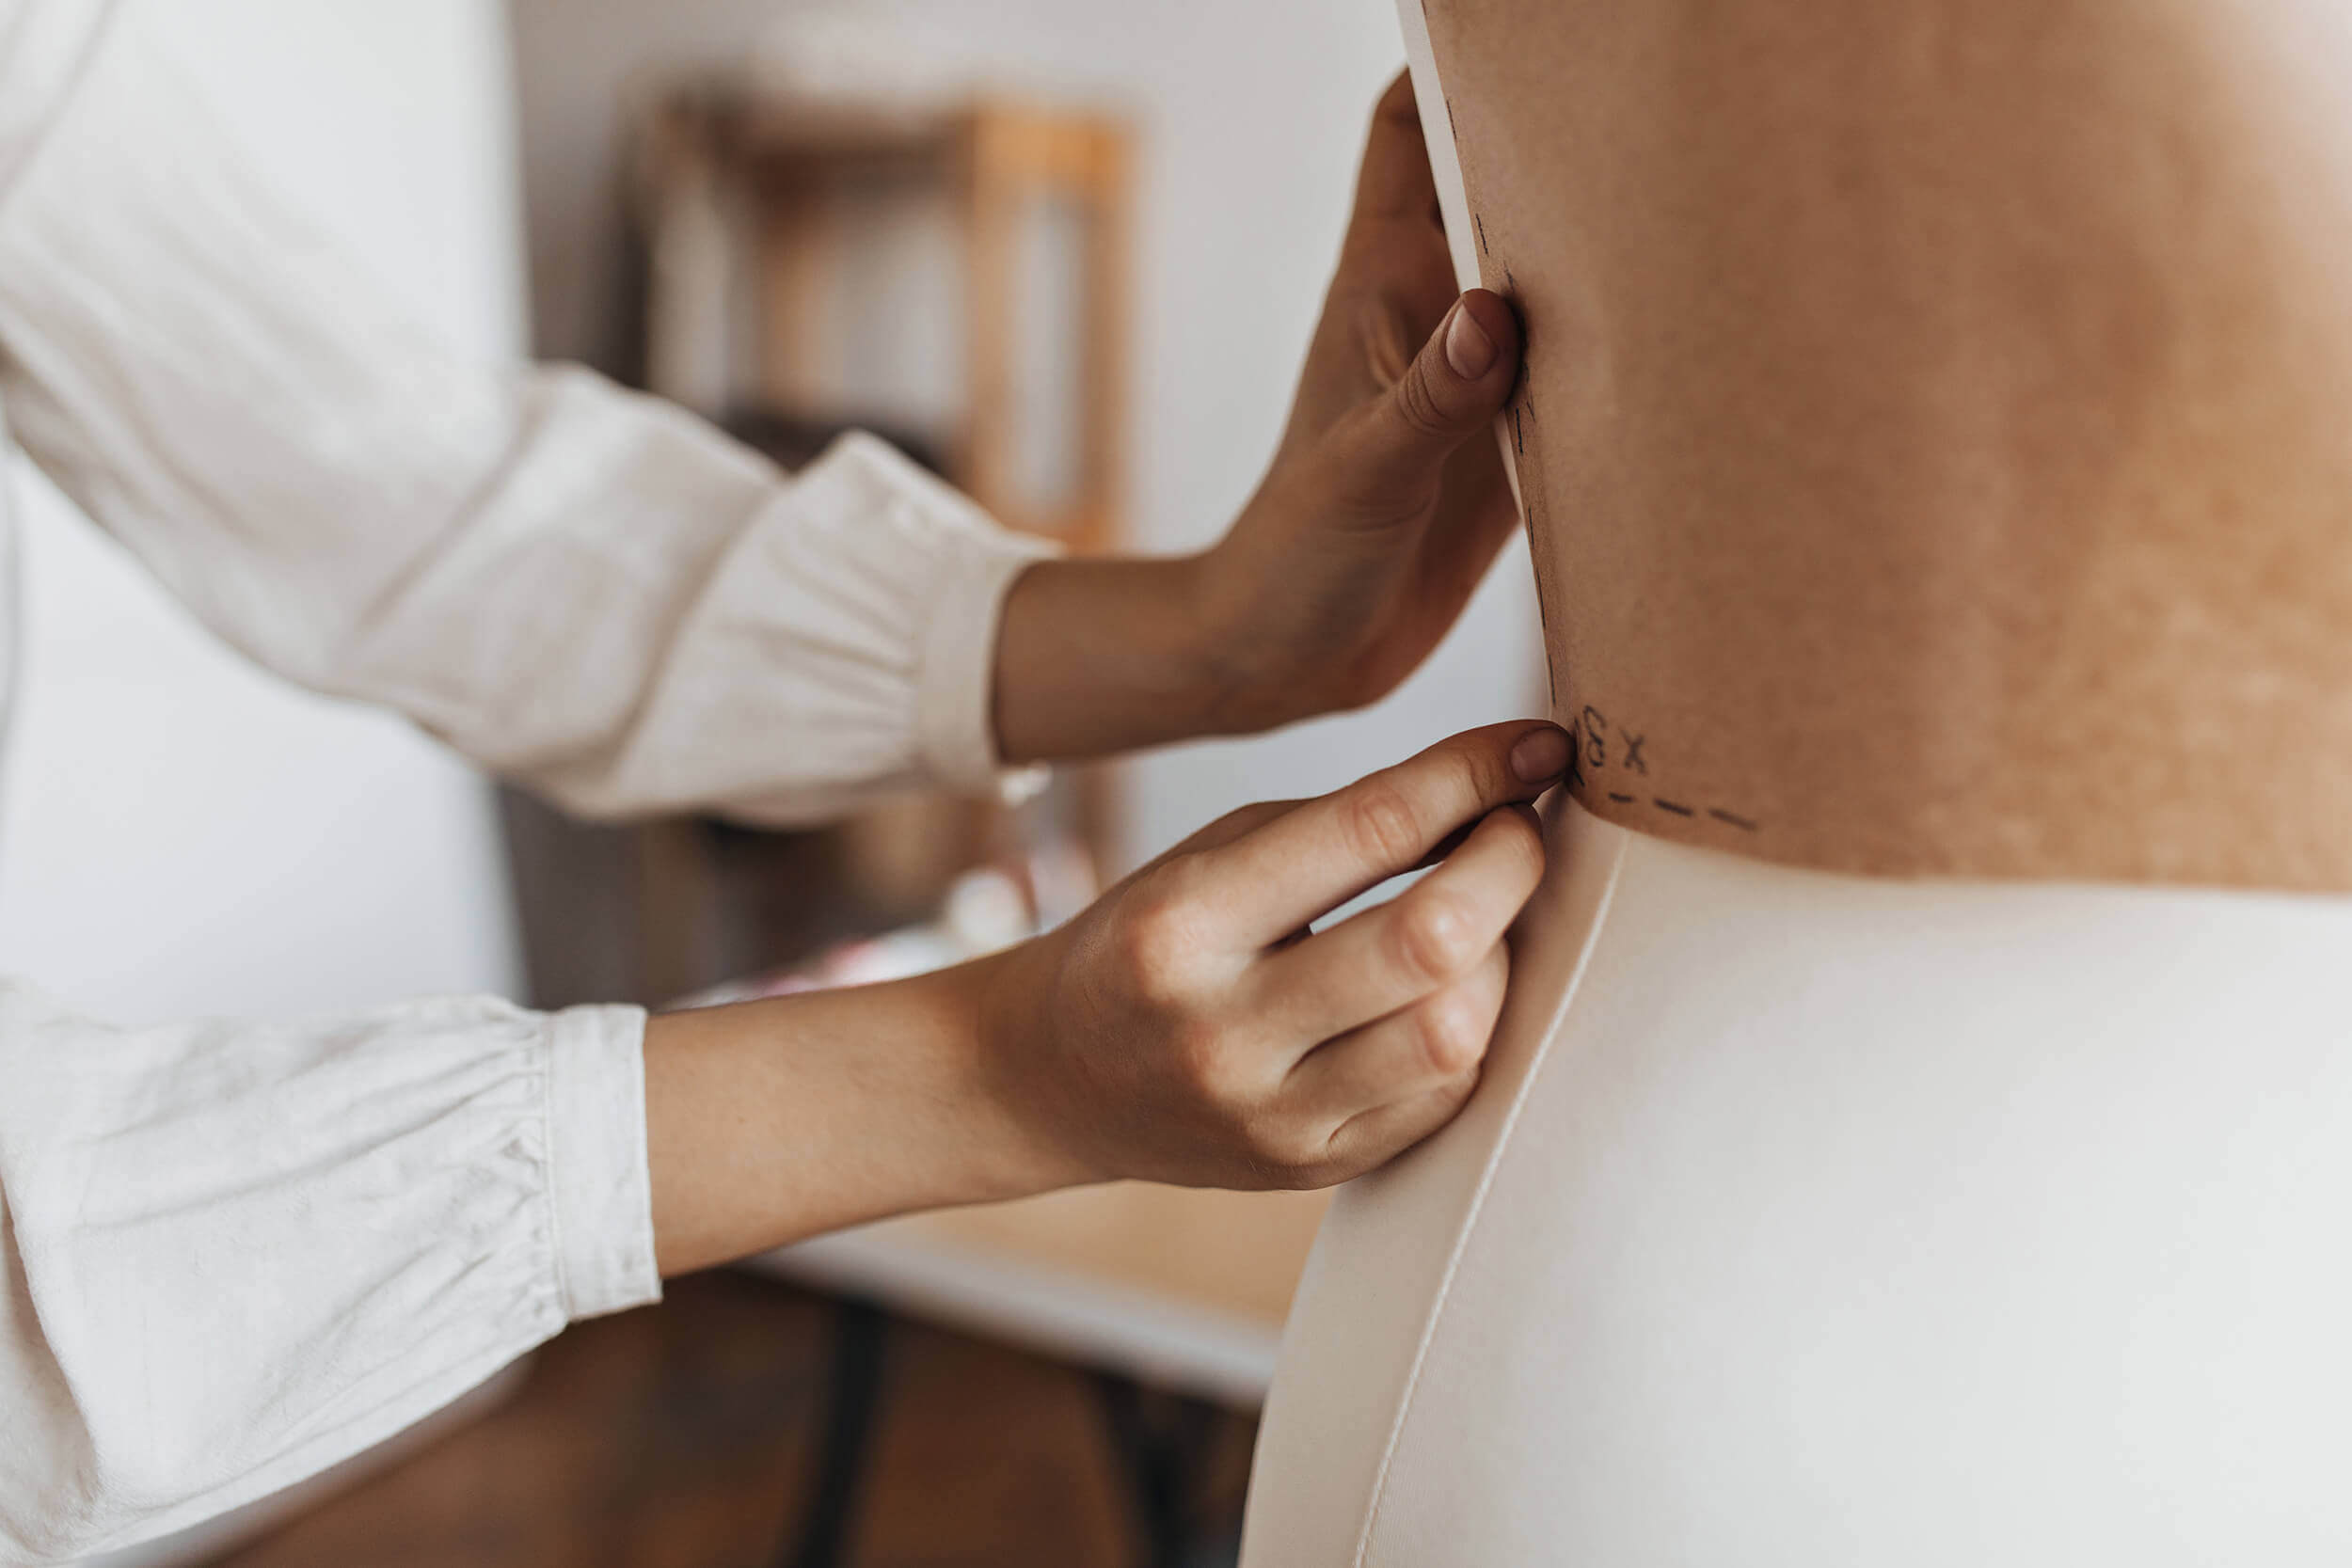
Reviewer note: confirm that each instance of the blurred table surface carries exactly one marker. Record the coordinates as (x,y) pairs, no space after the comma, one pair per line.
(1179,1288)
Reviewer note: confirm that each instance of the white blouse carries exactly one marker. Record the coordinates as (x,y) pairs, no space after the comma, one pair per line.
(233,1255)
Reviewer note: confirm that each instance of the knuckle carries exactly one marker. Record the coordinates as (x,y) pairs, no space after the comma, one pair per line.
(1453,1030)
(1416,405)
(1202,1062)
(1480,773)
(1181,887)
(1453,1093)
(1434,936)
(1379,824)
(1288,1151)
(1158,943)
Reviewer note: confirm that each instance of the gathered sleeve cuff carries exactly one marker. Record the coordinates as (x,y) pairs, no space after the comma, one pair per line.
(233,1255)
(845,643)
(599,1183)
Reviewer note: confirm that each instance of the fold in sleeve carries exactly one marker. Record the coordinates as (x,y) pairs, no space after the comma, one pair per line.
(584,588)
(236,1254)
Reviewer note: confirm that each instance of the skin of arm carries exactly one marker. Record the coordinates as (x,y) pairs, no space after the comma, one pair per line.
(1189,1027)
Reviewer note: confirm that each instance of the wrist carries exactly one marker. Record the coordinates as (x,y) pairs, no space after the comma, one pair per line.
(1017,1086)
(1233,687)
(1252,677)
(987,1106)
(769,1121)
(1101,657)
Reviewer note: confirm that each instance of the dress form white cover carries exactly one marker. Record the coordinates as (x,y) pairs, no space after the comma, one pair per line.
(1807,1219)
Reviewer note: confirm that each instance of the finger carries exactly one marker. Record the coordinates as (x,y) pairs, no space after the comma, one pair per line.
(1322,852)
(1233,825)
(1249,818)
(1376,1137)
(1395,180)
(1407,1054)
(1394,447)
(1422,941)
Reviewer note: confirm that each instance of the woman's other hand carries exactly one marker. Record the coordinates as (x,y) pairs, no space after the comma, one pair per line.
(1380,512)
(1386,502)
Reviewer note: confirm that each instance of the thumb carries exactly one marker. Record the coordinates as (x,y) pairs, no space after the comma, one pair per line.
(1452,390)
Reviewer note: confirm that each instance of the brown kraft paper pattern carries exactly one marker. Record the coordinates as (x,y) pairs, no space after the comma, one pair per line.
(1936,439)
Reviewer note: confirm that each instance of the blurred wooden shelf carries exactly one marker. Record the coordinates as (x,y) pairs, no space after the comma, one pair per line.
(997,227)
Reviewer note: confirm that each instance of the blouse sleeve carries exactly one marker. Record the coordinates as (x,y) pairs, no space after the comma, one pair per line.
(233,1255)
(586,589)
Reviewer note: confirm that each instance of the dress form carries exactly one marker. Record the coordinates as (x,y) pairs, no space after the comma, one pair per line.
(1995,1206)
(1808,1219)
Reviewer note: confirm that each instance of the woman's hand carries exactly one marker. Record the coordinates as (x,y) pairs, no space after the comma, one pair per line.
(1384,506)
(1387,501)
(1187,1028)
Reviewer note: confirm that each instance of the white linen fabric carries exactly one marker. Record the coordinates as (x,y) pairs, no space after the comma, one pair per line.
(232,1255)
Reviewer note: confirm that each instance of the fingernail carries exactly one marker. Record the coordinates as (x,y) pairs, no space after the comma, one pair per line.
(1467,348)
(1540,755)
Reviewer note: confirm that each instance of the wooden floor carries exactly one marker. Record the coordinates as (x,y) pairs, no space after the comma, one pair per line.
(684,1435)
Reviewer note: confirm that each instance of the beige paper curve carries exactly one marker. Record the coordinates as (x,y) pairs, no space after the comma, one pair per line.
(1937,436)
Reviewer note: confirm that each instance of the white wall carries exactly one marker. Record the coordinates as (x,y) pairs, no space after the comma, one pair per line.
(1254,115)
(183,833)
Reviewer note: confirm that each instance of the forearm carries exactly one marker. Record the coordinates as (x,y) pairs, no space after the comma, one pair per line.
(1100,657)
(771,1122)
